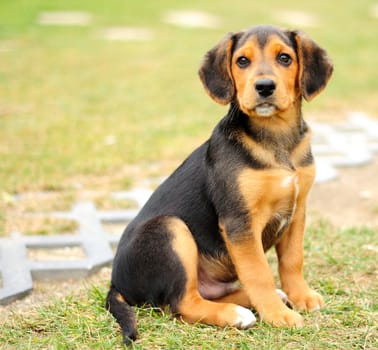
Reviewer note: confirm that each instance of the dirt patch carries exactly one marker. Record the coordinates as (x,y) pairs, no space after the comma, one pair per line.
(351,200)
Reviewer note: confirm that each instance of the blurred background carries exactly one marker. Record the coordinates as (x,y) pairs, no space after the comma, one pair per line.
(96,95)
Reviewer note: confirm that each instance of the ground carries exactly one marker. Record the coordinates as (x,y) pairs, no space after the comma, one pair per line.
(350,200)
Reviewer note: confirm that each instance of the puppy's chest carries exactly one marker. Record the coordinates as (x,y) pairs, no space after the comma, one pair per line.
(270,197)
(282,208)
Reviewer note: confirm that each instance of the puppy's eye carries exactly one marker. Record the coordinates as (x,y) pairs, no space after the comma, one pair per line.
(284,59)
(243,62)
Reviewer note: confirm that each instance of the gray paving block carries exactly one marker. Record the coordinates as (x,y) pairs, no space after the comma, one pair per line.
(348,143)
(15,272)
(92,233)
(324,172)
(60,270)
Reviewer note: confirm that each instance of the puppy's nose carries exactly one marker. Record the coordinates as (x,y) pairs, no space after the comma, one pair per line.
(265,87)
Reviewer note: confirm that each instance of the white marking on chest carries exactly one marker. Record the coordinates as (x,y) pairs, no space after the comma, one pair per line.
(283,223)
(286,182)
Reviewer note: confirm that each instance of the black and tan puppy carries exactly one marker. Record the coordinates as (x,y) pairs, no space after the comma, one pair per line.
(198,244)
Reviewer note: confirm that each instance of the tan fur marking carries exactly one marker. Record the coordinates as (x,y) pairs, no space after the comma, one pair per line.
(120,298)
(263,193)
(192,307)
(239,297)
(185,247)
(264,65)
(259,151)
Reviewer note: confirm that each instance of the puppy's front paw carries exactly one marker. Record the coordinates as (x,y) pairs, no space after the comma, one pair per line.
(309,300)
(283,317)
(245,318)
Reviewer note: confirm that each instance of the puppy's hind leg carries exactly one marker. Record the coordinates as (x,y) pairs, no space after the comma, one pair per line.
(192,306)
(145,271)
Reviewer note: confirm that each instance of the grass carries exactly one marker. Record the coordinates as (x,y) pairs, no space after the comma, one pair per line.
(80,113)
(65,92)
(337,265)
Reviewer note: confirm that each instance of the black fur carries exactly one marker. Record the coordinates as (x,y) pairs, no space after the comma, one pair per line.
(263,33)
(318,66)
(214,71)
(124,315)
(144,253)
(202,192)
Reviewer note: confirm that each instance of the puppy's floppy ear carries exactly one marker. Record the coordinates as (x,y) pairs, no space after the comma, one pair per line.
(215,71)
(315,67)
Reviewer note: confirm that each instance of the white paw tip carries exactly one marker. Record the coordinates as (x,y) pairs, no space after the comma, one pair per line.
(245,318)
(282,295)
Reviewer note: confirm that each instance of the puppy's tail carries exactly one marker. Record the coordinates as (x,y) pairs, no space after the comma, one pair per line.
(123,313)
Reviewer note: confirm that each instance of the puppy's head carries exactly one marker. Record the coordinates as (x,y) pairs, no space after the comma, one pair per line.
(265,70)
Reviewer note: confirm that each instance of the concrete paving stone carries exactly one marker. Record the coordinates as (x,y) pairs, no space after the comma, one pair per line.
(324,171)
(126,34)
(64,18)
(59,270)
(94,244)
(15,272)
(191,19)
(349,143)
(16,269)
(374,11)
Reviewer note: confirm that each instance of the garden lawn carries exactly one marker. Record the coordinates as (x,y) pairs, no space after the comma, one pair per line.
(74,104)
(339,264)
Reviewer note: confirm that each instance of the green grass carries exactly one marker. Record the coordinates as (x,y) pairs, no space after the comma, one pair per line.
(337,264)
(64,91)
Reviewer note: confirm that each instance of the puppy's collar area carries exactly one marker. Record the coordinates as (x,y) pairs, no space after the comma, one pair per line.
(266,123)
(280,142)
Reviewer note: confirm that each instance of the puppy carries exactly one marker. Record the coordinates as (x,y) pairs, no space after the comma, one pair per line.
(199,243)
